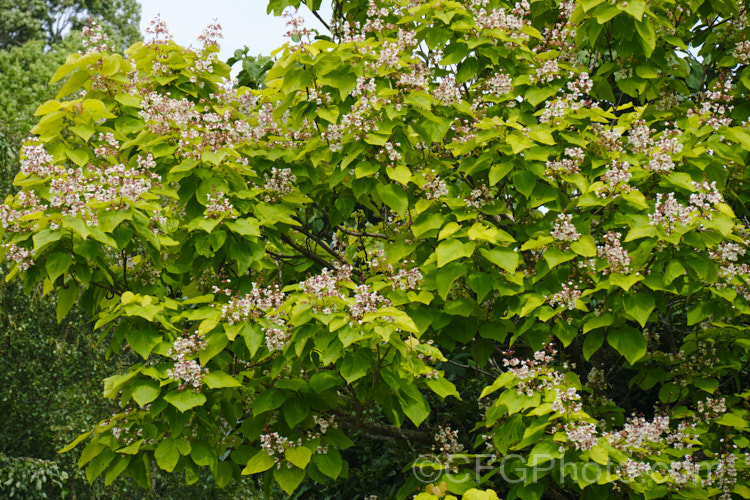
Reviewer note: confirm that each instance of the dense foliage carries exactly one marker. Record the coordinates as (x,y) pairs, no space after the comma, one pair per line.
(508,241)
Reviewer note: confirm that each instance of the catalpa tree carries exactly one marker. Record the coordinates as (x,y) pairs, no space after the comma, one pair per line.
(507,241)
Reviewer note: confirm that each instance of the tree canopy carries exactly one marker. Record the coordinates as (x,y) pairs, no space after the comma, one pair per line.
(449,248)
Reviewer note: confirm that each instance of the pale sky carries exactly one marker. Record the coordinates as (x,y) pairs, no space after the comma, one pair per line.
(244,22)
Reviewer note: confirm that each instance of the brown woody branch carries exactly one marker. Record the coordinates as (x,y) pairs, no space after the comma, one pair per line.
(304,251)
(320,242)
(385,432)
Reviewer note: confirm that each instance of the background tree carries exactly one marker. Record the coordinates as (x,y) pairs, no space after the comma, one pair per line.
(51,20)
(486,232)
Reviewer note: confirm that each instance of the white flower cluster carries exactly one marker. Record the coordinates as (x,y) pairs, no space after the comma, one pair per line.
(479,196)
(727,251)
(638,431)
(277,336)
(742,52)
(499,84)
(218,206)
(663,151)
(668,212)
(435,187)
(280,184)
(93,38)
(253,305)
(615,255)
(564,229)
(566,297)
(615,180)
(447,92)
(582,434)
(497,19)
(21,256)
(366,301)
(548,72)
(187,371)
(566,166)
(407,279)
(323,289)
(28,203)
(446,442)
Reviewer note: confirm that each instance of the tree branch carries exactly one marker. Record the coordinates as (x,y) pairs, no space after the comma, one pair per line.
(320,242)
(317,16)
(304,251)
(386,431)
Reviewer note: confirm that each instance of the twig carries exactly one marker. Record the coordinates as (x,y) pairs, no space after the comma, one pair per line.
(283,257)
(362,233)
(478,370)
